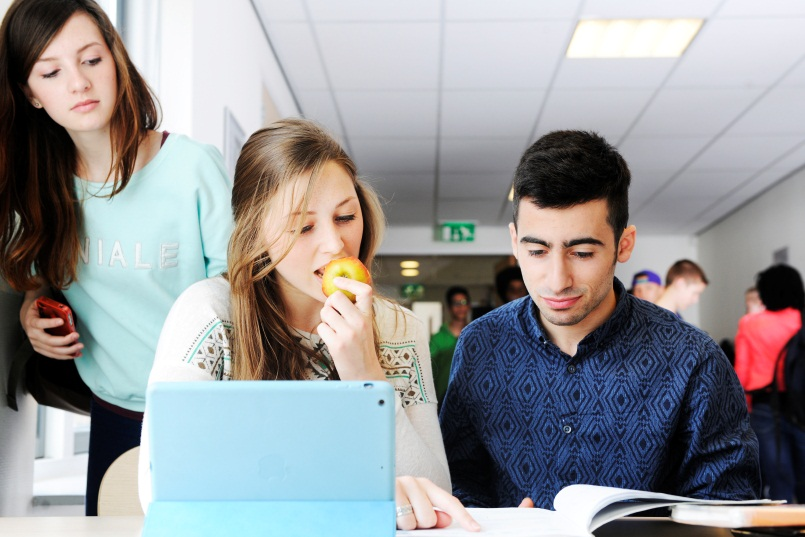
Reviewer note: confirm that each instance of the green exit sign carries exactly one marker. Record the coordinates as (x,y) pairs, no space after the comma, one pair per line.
(457,231)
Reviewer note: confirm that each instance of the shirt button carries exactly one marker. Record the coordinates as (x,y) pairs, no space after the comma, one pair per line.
(571,369)
(567,429)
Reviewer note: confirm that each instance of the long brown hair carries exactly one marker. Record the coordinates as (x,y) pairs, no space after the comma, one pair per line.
(39,210)
(264,346)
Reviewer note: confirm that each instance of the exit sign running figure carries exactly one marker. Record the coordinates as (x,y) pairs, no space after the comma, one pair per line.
(457,231)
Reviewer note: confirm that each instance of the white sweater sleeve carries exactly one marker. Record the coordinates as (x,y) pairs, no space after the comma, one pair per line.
(420,448)
(193,345)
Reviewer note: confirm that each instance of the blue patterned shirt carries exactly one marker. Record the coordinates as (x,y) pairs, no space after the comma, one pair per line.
(648,402)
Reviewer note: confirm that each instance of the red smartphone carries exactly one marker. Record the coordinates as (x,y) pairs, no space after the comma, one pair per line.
(51,309)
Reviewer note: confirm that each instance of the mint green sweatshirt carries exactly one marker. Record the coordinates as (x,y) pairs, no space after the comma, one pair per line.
(140,249)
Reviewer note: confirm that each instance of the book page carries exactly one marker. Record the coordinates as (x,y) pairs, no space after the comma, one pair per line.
(507,522)
(593,505)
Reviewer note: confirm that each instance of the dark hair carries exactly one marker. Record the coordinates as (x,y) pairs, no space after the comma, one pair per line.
(567,168)
(39,213)
(506,276)
(780,287)
(686,269)
(456,290)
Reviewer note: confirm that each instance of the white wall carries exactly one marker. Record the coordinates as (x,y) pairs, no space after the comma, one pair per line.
(743,244)
(202,73)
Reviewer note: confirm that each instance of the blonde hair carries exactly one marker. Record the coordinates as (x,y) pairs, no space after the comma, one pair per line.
(264,346)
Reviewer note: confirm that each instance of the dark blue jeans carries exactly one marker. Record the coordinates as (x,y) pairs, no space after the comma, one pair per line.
(111,434)
(782,455)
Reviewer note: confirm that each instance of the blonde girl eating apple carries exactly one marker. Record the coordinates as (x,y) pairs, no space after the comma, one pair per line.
(298,204)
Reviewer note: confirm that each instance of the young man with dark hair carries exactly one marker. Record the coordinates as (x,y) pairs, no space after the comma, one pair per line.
(510,285)
(584,383)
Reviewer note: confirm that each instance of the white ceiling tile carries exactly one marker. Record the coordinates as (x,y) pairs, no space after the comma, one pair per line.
(791,161)
(696,112)
(372,10)
(510,9)
(389,114)
(645,9)
(580,73)
(483,211)
(502,55)
(494,185)
(780,112)
(414,155)
(766,8)
(405,213)
(490,113)
(480,155)
(724,54)
(744,152)
(381,56)
(319,106)
(662,153)
(608,112)
(296,49)
(710,184)
(395,186)
(797,75)
(281,10)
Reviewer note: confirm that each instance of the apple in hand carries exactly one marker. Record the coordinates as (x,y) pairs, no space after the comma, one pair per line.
(346,267)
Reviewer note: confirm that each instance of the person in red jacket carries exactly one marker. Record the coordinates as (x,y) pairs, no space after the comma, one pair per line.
(760,340)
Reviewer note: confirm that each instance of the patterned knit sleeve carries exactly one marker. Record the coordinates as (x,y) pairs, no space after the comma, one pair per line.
(720,449)
(406,360)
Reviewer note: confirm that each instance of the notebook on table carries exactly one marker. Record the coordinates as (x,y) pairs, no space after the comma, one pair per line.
(267,458)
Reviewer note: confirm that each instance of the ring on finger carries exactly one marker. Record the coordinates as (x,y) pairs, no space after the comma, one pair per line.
(405,510)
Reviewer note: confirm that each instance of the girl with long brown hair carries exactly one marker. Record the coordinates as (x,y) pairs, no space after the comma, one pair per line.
(96,202)
(298,204)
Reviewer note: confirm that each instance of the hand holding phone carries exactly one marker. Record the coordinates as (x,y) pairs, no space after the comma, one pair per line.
(49,308)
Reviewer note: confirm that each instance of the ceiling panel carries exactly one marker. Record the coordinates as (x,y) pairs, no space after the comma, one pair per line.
(510,9)
(694,112)
(606,111)
(476,210)
(480,155)
(501,55)
(660,153)
(294,43)
(744,152)
(374,155)
(766,8)
(723,55)
(389,114)
(636,9)
(319,106)
(581,73)
(469,82)
(357,55)
(395,186)
(490,113)
(372,10)
(708,184)
(782,111)
(491,185)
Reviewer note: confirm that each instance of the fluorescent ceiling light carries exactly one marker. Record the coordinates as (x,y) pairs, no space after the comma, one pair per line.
(632,38)
(511,194)
(409,264)
(409,272)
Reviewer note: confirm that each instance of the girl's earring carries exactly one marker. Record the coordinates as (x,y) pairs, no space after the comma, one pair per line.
(37,104)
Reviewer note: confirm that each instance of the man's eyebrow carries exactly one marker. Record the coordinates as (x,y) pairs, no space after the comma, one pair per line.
(583,240)
(567,244)
(534,240)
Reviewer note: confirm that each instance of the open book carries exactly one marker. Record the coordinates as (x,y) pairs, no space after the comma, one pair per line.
(578,511)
